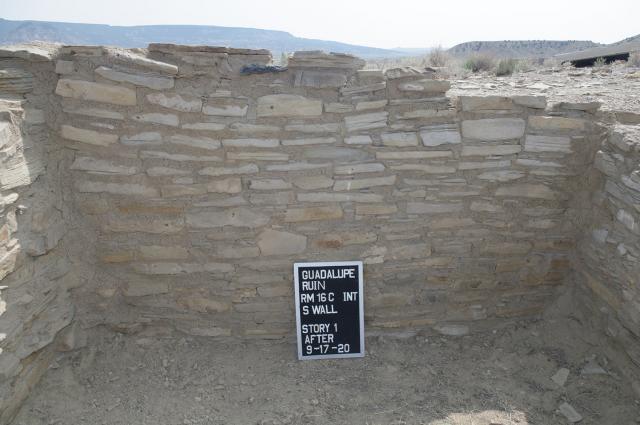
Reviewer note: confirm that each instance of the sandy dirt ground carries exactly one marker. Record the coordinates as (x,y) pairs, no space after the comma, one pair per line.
(616,86)
(499,377)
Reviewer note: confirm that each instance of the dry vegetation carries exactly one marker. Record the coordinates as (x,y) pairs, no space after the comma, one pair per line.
(506,67)
(456,67)
(599,63)
(479,62)
(452,67)
(438,57)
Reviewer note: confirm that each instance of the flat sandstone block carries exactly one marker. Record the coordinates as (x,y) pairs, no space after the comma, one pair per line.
(195,142)
(329,212)
(129,189)
(94,112)
(96,92)
(432,208)
(425,168)
(490,150)
(158,118)
(229,185)
(534,143)
(250,143)
(527,190)
(144,225)
(425,85)
(312,182)
(335,153)
(436,137)
(274,242)
(223,171)
(178,102)
(87,136)
(534,102)
(556,123)
(288,105)
(236,217)
(399,139)
(226,107)
(376,209)
(340,197)
(167,268)
(501,175)
(493,129)
(102,166)
(357,184)
(151,81)
(257,156)
(366,121)
(269,184)
(485,103)
(413,155)
(358,140)
(178,157)
(359,168)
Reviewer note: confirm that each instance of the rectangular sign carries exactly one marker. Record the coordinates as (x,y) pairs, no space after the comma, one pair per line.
(329,309)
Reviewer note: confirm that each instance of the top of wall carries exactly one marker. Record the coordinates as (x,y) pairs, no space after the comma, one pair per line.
(44,52)
(169,58)
(611,89)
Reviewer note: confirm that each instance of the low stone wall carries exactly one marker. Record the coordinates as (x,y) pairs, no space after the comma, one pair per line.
(35,270)
(174,187)
(608,264)
(205,179)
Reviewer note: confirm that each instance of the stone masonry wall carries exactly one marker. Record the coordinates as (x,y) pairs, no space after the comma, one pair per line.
(173,188)
(206,174)
(608,263)
(36,272)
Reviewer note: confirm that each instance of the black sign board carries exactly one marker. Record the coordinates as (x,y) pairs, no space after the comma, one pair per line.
(329,309)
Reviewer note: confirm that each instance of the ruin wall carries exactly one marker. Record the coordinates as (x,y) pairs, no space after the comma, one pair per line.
(37,271)
(206,174)
(172,188)
(607,265)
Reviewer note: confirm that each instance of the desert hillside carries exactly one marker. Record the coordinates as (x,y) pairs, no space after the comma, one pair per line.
(277,42)
(629,39)
(521,48)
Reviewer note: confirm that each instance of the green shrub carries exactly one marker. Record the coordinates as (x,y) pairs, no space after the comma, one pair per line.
(506,67)
(477,63)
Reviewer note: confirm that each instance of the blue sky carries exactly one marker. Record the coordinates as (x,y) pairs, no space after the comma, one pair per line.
(405,23)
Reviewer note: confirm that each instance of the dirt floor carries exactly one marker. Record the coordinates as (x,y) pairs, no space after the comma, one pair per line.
(500,377)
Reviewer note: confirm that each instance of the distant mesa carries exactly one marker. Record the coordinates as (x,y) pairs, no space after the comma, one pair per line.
(278,42)
(521,48)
